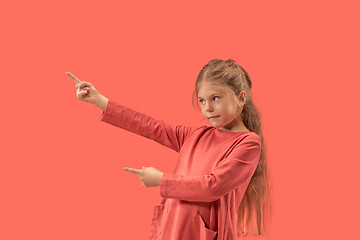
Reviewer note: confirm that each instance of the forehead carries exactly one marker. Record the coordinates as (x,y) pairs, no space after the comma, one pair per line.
(207,89)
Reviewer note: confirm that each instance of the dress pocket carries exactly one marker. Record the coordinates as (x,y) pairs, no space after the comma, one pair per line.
(205,233)
(159,215)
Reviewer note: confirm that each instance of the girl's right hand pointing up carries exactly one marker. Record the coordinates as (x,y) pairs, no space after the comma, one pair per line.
(85,91)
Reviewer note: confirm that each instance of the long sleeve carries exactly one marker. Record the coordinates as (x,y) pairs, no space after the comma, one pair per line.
(144,125)
(232,172)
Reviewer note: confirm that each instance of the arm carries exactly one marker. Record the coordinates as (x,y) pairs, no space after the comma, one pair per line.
(232,172)
(128,119)
(144,125)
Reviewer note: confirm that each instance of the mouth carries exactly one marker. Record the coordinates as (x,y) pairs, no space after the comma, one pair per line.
(213,117)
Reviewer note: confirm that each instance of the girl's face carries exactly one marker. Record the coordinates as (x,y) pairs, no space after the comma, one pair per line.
(219,107)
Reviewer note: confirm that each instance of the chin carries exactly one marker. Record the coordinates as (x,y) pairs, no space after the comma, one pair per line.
(217,126)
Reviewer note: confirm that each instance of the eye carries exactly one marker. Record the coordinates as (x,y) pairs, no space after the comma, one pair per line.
(216,98)
(201,101)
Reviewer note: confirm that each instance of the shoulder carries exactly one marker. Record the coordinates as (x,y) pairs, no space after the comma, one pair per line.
(251,142)
(252,136)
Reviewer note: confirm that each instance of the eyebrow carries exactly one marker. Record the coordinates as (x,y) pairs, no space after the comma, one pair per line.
(213,94)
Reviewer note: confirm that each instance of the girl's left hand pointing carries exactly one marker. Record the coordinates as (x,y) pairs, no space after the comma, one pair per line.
(150,177)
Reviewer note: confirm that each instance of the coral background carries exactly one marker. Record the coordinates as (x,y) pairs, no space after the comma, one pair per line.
(61,171)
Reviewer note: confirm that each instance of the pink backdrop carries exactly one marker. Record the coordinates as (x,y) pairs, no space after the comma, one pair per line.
(61,167)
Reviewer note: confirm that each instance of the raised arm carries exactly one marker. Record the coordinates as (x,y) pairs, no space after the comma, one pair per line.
(172,136)
(131,120)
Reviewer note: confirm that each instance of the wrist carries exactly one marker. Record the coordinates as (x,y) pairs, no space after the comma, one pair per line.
(101,102)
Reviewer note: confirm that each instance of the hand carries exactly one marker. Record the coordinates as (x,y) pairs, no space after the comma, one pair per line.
(85,90)
(150,177)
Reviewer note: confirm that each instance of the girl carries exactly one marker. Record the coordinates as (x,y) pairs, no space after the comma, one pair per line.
(219,186)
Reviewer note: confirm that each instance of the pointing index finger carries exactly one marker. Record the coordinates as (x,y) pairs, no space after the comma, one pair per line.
(133,170)
(76,80)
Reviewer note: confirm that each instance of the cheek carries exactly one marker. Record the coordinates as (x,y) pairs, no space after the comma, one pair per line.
(225,108)
(229,109)
(202,111)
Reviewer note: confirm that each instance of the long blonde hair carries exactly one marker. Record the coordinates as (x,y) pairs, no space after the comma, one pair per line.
(255,208)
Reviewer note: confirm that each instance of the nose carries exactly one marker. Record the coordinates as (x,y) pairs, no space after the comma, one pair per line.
(208,108)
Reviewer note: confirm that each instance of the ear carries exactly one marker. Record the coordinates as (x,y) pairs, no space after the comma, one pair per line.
(242,97)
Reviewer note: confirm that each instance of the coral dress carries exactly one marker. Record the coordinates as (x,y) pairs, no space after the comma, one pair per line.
(201,196)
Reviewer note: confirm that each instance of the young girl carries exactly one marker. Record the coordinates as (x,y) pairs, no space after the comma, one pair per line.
(219,186)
